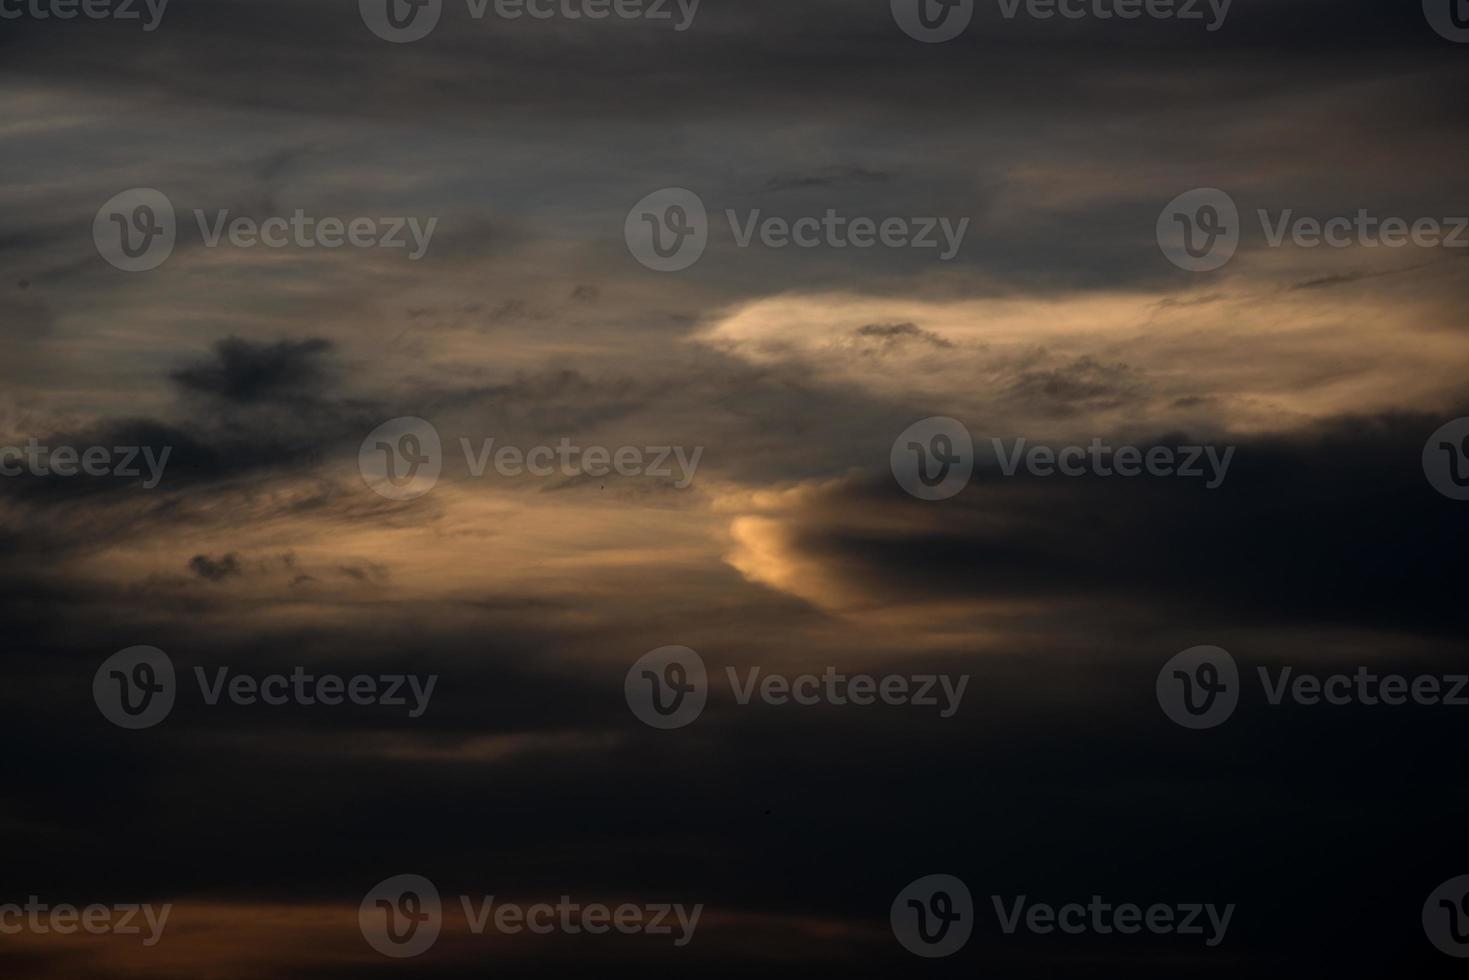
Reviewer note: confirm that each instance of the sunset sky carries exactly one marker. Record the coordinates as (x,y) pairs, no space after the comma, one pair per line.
(791,548)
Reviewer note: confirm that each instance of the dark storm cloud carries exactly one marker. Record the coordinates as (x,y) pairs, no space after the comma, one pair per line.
(1083,385)
(190,457)
(1001,126)
(1332,526)
(773,51)
(269,412)
(274,410)
(891,334)
(215,569)
(243,371)
(723,812)
(201,451)
(1060,778)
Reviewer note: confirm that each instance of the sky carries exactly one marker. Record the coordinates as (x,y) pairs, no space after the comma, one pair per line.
(766,517)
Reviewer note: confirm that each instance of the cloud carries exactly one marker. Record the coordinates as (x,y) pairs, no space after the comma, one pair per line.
(263,551)
(215,570)
(829,176)
(1346,499)
(891,334)
(1253,358)
(243,371)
